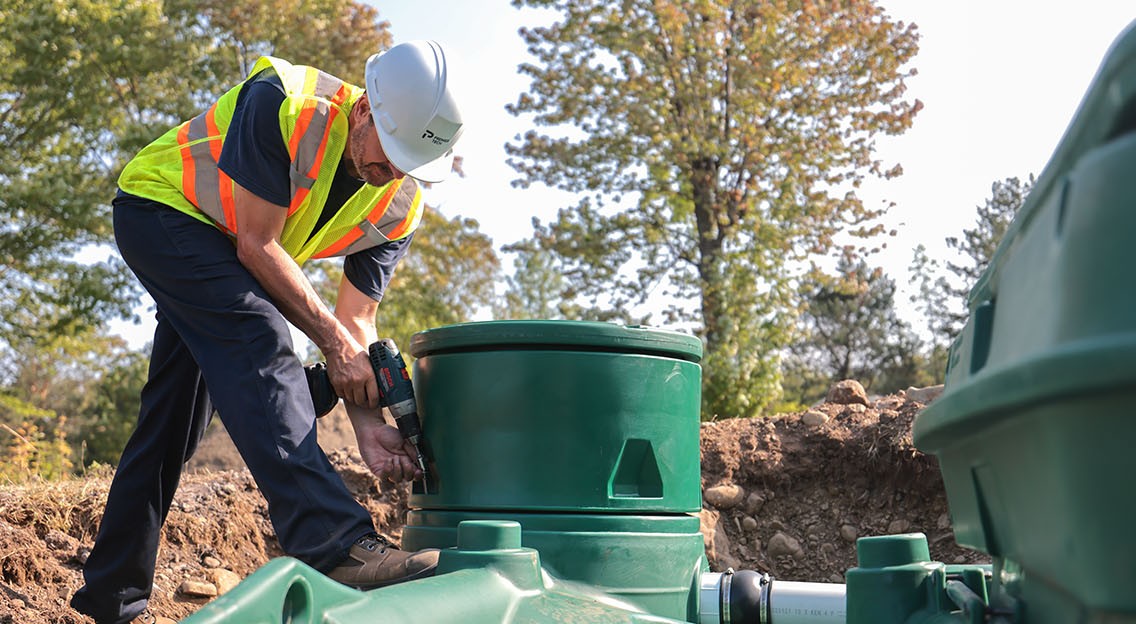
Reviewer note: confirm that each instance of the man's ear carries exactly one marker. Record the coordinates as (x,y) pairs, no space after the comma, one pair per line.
(362,108)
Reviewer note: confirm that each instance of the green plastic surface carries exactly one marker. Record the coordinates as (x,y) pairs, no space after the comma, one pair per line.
(1034,430)
(584,426)
(653,562)
(897,583)
(566,472)
(478,585)
(556,335)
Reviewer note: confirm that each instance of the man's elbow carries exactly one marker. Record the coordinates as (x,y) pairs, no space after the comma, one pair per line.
(251,252)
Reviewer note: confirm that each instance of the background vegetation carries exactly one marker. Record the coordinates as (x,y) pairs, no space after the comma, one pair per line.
(715,149)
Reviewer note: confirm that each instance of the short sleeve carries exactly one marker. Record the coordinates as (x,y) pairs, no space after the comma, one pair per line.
(371,270)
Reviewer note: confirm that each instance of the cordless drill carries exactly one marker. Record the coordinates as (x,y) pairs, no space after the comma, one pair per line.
(396,393)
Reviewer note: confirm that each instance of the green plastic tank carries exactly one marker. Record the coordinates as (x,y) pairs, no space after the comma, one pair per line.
(1035,429)
(586,434)
(487,578)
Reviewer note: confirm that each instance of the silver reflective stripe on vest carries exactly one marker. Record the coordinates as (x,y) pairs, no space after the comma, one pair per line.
(206,176)
(327,85)
(308,149)
(396,212)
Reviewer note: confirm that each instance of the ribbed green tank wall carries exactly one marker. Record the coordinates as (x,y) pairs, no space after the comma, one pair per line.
(587,434)
(1034,430)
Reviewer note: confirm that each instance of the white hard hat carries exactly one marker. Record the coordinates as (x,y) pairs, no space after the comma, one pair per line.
(415,112)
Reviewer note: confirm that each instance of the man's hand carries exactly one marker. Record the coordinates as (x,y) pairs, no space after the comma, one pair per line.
(352,376)
(386,454)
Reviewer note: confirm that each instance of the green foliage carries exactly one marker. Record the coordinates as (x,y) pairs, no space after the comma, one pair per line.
(336,36)
(35,443)
(533,290)
(107,424)
(716,143)
(943,295)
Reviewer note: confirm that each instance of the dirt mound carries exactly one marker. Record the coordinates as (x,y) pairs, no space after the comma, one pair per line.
(786,495)
(790,495)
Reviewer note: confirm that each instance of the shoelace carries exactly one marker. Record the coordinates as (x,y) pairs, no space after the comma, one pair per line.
(373,541)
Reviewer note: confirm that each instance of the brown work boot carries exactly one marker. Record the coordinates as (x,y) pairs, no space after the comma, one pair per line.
(148,617)
(375,562)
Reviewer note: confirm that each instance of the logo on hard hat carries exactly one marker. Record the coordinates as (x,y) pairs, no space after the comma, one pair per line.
(433,138)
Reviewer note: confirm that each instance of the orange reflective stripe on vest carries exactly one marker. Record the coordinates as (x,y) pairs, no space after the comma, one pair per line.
(393,216)
(203,184)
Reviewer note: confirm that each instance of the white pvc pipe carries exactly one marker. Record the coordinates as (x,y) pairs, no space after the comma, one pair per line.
(806,603)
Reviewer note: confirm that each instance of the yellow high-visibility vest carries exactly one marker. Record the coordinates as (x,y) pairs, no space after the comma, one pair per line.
(180,169)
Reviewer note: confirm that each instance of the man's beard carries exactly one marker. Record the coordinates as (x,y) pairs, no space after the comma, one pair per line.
(373,174)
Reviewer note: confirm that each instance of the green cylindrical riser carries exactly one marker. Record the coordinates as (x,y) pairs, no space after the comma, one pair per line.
(558,416)
(653,562)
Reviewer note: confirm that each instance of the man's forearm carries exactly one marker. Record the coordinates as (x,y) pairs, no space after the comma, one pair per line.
(294,295)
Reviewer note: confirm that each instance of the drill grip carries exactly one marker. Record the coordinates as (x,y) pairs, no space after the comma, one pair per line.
(324,398)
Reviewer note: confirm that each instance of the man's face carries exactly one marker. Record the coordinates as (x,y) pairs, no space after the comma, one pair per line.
(366,152)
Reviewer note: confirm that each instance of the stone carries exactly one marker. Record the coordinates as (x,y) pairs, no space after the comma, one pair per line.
(924,395)
(190,587)
(944,521)
(898,526)
(716,540)
(814,418)
(849,533)
(754,503)
(889,403)
(781,545)
(224,579)
(210,561)
(748,523)
(725,496)
(847,392)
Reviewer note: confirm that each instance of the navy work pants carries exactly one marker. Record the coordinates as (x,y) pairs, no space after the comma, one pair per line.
(220,343)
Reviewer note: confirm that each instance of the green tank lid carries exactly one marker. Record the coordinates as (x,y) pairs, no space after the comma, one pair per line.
(556,335)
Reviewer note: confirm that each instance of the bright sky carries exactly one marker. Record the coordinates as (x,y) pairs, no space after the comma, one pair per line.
(999,79)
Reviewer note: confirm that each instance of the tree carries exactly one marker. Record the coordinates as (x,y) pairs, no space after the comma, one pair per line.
(534,289)
(849,329)
(81,90)
(943,297)
(336,36)
(715,144)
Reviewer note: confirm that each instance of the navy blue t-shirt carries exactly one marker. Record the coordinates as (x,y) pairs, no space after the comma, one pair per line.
(254,155)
